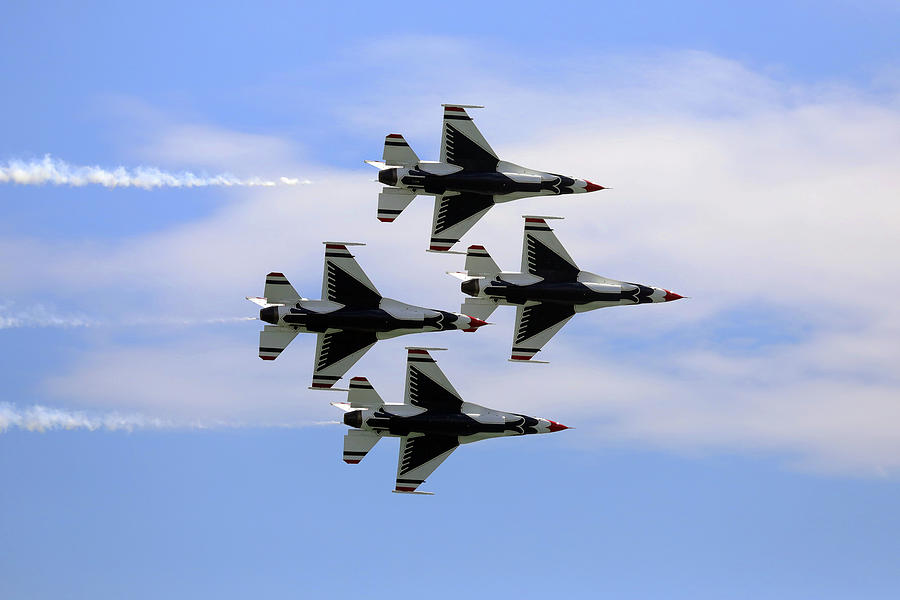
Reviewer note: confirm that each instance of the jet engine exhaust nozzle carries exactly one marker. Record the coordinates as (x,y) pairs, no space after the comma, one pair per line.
(388,176)
(470,287)
(353,418)
(269,314)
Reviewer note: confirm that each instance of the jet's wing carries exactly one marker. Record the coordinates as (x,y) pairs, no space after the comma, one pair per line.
(536,323)
(462,144)
(454,215)
(274,339)
(426,384)
(344,281)
(543,255)
(336,352)
(357,443)
(420,455)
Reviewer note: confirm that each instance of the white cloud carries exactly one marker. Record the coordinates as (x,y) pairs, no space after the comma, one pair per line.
(738,190)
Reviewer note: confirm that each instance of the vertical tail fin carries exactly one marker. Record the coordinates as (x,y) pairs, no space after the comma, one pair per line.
(479,262)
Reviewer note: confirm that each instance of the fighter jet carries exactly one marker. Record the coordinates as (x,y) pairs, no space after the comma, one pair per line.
(547,293)
(349,319)
(468,179)
(431,423)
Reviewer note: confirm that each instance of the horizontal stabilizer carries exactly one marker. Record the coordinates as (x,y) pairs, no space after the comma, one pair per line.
(479,262)
(273,340)
(480,308)
(363,395)
(279,290)
(397,151)
(392,202)
(357,443)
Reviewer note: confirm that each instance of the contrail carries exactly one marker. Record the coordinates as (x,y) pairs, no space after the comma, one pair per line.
(41,316)
(58,172)
(42,419)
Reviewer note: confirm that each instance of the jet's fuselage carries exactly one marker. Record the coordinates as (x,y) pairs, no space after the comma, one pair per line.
(441,178)
(471,423)
(318,316)
(587,292)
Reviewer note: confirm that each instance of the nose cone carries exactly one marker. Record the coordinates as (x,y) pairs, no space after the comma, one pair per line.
(269,314)
(474,323)
(670,296)
(592,187)
(554,426)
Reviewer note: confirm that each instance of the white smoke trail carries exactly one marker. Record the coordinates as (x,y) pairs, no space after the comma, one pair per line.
(42,419)
(58,172)
(42,316)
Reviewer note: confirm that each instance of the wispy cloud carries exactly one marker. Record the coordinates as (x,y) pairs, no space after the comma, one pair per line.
(54,171)
(784,203)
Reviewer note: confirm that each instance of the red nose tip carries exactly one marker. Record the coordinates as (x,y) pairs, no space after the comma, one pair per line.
(592,187)
(554,426)
(672,296)
(475,323)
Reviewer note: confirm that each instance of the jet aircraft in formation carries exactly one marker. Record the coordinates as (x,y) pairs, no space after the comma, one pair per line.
(468,179)
(351,316)
(549,290)
(432,421)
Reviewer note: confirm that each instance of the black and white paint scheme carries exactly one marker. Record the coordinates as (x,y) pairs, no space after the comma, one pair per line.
(468,179)
(431,423)
(348,320)
(548,291)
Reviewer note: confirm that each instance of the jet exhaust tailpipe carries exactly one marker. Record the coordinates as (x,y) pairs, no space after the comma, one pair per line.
(269,314)
(470,287)
(388,176)
(353,418)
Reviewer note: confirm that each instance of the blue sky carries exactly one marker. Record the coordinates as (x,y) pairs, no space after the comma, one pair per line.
(742,443)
